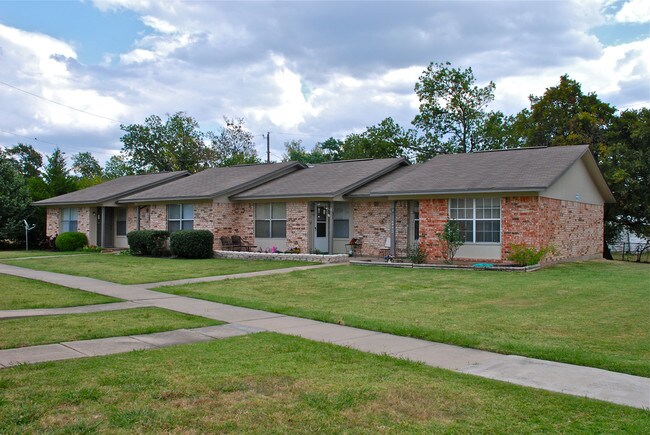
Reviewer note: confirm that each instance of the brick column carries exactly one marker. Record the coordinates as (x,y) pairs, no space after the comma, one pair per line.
(298,226)
(433,216)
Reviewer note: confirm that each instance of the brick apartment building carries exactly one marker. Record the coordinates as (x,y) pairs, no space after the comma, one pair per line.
(533,196)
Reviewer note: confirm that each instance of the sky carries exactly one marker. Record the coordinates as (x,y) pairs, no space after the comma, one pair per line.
(72,72)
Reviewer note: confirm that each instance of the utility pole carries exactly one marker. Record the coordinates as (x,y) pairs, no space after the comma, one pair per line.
(268,147)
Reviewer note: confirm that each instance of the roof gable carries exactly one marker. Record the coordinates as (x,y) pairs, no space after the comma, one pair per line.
(113,189)
(515,170)
(214,182)
(324,180)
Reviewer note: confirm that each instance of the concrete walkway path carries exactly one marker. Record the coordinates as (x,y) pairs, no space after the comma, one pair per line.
(112,345)
(237,275)
(583,381)
(81,309)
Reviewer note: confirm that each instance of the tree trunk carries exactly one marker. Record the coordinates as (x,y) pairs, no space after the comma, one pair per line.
(607,254)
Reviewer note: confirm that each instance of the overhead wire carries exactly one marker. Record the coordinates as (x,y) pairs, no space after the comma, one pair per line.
(60,104)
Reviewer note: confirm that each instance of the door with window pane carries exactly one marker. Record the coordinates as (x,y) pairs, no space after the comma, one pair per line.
(321,227)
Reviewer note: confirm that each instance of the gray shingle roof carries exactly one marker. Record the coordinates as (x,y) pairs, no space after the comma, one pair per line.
(214,182)
(113,189)
(324,180)
(525,169)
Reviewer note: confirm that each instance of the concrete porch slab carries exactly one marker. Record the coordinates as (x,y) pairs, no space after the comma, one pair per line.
(36,354)
(108,346)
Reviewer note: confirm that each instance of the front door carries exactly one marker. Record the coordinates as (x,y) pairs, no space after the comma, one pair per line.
(321,228)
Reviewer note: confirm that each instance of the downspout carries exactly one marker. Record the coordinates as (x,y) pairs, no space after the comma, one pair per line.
(137,218)
(393,229)
(103,227)
(330,228)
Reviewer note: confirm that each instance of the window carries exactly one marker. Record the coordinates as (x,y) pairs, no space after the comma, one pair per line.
(120,222)
(479,219)
(68,220)
(271,220)
(180,217)
(415,216)
(341,220)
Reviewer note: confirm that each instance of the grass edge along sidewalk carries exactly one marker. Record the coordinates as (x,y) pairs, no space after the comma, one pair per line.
(592,313)
(273,383)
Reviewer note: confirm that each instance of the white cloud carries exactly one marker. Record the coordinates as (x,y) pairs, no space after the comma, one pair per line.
(634,11)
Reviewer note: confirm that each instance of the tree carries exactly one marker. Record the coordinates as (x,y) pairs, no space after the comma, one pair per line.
(57,175)
(233,144)
(499,131)
(296,152)
(27,160)
(14,202)
(625,162)
(86,165)
(384,140)
(174,145)
(564,115)
(117,167)
(452,109)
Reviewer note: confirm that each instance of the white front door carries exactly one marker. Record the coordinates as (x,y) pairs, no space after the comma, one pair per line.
(321,228)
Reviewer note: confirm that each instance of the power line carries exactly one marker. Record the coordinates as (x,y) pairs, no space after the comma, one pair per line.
(51,143)
(60,104)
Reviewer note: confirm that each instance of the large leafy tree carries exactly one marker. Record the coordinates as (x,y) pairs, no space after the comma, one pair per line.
(174,145)
(116,167)
(625,161)
(86,165)
(452,109)
(384,140)
(565,115)
(26,159)
(14,201)
(296,152)
(233,144)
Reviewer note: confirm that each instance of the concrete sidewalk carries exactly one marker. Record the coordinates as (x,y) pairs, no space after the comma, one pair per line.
(112,345)
(81,309)
(583,381)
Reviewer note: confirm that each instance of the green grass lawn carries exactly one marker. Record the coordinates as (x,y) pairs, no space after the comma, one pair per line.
(20,293)
(36,253)
(31,331)
(591,313)
(268,383)
(127,269)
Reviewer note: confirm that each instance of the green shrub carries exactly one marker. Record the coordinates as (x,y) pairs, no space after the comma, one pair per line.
(192,243)
(91,248)
(148,242)
(70,241)
(417,255)
(451,239)
(523,255)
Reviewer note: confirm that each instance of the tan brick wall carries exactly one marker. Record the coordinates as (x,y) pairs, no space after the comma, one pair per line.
(83,221)
(53,221)
(132,219)
(298,225)
(575,229)
(158,217)
(371,222)
(203,216)
(233,219)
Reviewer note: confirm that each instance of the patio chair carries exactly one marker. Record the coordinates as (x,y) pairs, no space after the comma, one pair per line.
(241,245)
(226,243)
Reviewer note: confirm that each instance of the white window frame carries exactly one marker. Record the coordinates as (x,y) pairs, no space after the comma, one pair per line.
(474,219)
(270,220)
(65,223)
(181,221)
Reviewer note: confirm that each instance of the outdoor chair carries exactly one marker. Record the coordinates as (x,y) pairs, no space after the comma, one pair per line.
(241,245)
(226,243)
